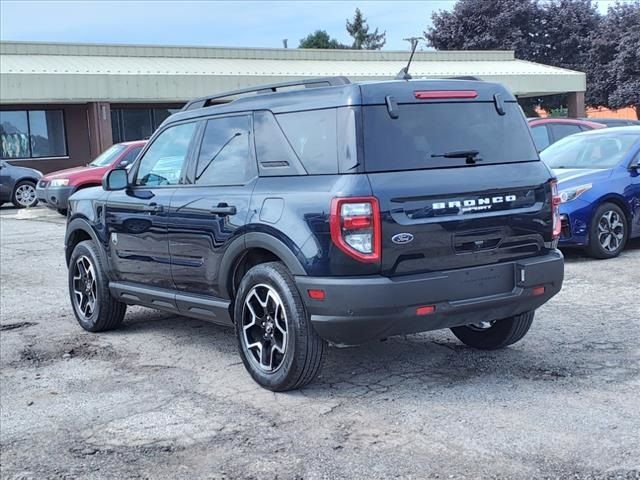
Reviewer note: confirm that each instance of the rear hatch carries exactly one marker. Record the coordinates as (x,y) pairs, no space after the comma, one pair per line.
(459,181)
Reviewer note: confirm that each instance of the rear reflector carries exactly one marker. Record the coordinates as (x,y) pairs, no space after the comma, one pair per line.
(425,310)
(537,291)
(316,294)
(444,94)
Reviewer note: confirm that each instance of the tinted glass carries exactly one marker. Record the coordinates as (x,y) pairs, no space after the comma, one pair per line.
(540,137)
(116,133)
(424,130)
(225,156)
(136,124)
(47,133)
(163,161)
(14,135)
(312,135)
(108,156)
(275,155)
(562,130)
(589,151)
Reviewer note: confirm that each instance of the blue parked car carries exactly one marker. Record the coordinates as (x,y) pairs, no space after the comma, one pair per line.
(599,184)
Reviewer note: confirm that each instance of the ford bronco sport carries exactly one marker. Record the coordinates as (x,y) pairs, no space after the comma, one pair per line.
(326,211)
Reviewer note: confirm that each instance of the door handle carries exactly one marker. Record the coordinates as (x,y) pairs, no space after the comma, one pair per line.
(153,207)
(223,210)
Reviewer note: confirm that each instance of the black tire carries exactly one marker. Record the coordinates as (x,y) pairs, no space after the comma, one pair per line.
(500,334)
(601,227)
(17,198)
(62,211)
(303,348)
(107,312)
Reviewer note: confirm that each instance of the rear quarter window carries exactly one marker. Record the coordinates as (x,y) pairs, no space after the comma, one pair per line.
(423,130)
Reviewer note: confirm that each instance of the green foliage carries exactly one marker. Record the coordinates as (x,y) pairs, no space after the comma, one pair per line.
(320,39)
(562,33)
(362,39)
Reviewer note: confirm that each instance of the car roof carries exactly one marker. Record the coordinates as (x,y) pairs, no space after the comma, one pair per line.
(628,130)
(567,121)
(134,143)
(349,94)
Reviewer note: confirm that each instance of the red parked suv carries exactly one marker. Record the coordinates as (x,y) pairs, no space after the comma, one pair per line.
(549,130)
(54,189)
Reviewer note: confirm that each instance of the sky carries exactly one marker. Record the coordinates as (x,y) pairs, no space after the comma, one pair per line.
(211,23)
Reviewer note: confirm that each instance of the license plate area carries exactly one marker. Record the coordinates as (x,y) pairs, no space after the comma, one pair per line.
(482,281)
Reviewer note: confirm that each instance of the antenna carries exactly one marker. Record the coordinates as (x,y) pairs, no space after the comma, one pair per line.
(403,74)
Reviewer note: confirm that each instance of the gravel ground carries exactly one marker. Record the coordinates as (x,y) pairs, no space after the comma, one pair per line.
(167,397)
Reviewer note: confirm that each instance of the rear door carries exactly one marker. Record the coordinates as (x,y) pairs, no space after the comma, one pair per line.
(137,218)
(443,207)
(208,214)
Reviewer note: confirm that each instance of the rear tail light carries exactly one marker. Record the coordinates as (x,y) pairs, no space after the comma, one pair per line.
(555,205)
(355,227)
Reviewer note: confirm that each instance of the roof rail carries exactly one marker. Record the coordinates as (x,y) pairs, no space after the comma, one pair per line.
(464,77)
(307,83)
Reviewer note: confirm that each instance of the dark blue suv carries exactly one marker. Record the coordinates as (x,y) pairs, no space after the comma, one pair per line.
(322,210)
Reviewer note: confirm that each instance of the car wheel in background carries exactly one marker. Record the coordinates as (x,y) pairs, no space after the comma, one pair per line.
(608,232)
(24,195)
(497,334)
(278,345)
(94,307)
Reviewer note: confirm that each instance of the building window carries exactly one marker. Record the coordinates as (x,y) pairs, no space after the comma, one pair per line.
(128,124)
(32,134)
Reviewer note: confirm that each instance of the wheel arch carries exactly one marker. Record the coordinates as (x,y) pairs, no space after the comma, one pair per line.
(252,249)
(79,230)
(619,202)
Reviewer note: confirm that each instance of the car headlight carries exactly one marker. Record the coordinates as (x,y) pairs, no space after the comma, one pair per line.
(60,182)
(572,193)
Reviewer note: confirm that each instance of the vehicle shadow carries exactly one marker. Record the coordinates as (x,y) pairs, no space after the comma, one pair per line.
(402,364)
(577,254)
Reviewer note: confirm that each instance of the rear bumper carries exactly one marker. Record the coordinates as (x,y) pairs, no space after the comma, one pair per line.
(360,309)
(54,197)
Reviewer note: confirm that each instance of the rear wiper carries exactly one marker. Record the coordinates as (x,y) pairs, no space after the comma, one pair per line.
(471,156)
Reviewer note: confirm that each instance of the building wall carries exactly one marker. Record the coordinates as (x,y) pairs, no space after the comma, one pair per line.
(77,138)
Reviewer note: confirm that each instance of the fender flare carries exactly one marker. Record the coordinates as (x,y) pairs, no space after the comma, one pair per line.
(256,240)
(83,225)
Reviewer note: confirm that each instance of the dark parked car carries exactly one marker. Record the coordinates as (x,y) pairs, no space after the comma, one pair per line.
(615,122)
(599,184)
(547,131)
(18,185)
(54,189)
(334,212)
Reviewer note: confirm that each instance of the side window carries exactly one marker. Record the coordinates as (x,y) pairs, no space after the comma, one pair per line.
(129,157)
(312,135)
(540,137)
(162,163)
(225,154)
(564,130)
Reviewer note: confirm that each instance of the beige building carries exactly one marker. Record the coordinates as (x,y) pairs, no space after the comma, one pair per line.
(62,104)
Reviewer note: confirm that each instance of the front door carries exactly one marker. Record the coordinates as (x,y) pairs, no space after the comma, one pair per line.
(207,215)
(136,218)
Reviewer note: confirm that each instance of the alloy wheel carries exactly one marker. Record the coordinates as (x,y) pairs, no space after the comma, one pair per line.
(611,231)
(480,326)
(84,286)
(264,327)
(26,195)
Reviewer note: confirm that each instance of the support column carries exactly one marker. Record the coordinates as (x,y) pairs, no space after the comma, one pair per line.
(100,135)
(576,104)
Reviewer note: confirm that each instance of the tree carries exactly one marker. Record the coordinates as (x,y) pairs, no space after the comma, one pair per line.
(614,60)
(320,39)
(362,39)
(556,33)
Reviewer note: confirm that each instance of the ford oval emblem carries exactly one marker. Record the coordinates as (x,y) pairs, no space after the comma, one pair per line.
(402,238)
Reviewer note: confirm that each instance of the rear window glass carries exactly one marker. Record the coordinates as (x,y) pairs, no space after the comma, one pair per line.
(424,132)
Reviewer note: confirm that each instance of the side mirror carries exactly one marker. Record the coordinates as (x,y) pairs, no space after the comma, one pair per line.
(115,179)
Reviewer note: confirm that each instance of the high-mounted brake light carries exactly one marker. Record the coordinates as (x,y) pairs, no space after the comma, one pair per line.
(444,94)
(555,205)
(355,227)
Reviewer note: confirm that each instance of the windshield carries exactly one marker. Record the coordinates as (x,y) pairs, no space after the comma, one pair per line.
(433,135)
(108,156)
(589,151)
